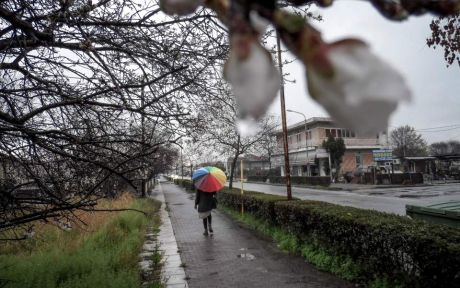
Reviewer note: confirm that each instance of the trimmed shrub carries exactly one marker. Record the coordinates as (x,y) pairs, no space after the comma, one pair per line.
(312,180)
(412,253)
(257,178)
(186,183)
(259,204)
(416,253)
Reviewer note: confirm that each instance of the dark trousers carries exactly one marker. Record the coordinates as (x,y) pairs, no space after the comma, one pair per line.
(206,221)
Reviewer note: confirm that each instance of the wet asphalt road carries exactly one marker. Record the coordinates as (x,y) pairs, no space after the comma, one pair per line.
(391,200)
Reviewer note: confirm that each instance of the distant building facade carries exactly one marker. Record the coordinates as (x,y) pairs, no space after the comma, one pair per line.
(305,144)
(252,165)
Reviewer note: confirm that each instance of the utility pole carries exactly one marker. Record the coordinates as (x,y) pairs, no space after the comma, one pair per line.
(283,120)
(242,190)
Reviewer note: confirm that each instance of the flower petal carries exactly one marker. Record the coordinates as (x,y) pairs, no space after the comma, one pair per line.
(259,23)
(254,79)
(363,91)
(179,7)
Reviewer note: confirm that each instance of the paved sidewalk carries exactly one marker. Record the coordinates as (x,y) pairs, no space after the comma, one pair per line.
(234,256)
(172,271)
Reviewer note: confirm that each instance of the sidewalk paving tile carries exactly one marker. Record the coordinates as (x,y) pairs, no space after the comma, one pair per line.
(234,256)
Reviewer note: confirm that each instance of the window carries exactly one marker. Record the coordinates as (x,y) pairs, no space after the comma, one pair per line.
(298,138)
(339,133)
(359,160)
(308,135)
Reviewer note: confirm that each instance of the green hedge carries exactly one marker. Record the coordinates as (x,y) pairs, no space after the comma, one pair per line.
(259,204)
(186,183)
(257,178)
(303,180)
(416,253)
(410,252)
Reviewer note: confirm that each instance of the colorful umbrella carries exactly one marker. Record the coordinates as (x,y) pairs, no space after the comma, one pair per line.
(209,179)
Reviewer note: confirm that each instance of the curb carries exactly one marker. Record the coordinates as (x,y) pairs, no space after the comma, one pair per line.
(352,188)
(172,272)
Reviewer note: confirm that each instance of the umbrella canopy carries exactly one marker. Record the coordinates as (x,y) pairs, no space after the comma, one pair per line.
(209,179)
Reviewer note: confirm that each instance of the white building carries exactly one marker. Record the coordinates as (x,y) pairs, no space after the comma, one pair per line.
(305,142)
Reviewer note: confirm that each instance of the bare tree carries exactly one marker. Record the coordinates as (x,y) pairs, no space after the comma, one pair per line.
(268,146)
(407,142)
(91,96)
(221,131)
(445,148)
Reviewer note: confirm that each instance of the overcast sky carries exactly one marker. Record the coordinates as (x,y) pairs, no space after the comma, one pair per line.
(435,88)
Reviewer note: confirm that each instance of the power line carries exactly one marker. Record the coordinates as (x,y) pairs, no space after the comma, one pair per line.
(435,129)
(440,127)
(442,130)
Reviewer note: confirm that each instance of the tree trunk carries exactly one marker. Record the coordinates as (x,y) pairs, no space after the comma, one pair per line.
(143,188)
(232,171)
(269,164)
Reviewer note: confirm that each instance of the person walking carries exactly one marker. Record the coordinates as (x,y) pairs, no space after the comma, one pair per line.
(205,202)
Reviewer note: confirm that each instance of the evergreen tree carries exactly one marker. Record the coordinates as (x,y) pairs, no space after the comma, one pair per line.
(336,148)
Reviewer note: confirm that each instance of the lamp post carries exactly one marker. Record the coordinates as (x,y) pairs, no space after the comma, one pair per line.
(306,138)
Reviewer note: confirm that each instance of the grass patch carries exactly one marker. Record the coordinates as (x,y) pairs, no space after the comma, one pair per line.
(324,259)
(156,280)
(105,254)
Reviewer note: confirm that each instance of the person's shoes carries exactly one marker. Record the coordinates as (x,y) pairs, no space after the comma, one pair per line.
(210,230)
(205,233)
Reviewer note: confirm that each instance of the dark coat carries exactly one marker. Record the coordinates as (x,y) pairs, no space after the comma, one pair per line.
(204,200)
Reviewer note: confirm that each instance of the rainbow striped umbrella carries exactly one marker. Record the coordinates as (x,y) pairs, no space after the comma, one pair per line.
(209,179)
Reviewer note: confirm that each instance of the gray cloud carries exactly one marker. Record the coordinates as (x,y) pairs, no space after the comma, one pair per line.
(435,88)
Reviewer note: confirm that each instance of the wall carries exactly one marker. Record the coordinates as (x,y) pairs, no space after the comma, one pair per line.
(349,160)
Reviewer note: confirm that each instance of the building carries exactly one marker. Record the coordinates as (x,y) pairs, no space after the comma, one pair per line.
(253,165)
(305,142)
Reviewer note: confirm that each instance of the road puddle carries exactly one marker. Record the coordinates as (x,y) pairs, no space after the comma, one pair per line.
(247,256)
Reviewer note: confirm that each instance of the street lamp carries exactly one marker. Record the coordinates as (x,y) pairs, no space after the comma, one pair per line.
(306,138)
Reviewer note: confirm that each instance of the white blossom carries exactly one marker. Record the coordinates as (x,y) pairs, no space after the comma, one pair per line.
(259,23)
(254,79)
(179,7)
(247,127)
(362,91)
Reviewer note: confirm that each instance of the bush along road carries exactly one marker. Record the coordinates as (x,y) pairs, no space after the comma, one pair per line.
(369,247)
